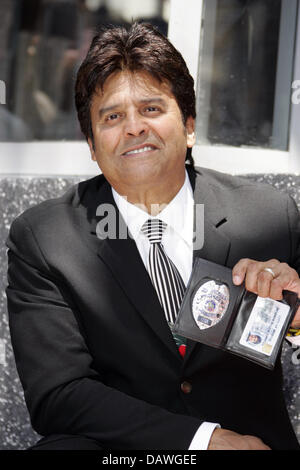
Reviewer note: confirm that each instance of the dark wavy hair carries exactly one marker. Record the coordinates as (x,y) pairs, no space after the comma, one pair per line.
(139,48)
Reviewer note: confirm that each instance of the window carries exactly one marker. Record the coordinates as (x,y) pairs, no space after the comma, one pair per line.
(42,43)
(239,128)
(245,72)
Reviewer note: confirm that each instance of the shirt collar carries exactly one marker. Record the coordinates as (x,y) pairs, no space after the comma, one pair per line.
(178,214)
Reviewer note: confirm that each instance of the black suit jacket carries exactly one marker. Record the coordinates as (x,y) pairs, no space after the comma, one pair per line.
(92,347)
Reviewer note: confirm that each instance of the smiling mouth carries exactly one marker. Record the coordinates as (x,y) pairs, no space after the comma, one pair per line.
(147,148)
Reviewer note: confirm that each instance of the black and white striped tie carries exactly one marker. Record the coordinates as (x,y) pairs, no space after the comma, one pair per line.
(165,276)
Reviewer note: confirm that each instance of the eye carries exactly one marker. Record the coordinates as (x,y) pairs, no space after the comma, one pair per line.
(112,117)
(153,110)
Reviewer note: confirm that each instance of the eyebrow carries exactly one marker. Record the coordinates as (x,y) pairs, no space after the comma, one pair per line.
(105,110)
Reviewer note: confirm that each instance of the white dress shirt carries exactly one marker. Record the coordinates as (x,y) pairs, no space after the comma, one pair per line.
(177,241)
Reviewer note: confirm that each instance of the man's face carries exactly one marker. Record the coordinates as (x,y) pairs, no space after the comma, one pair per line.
(140,140)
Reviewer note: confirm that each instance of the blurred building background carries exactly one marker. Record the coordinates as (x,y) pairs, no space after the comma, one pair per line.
(42,44)
(244,56)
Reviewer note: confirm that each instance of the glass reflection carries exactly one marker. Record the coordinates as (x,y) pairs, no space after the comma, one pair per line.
(42,43)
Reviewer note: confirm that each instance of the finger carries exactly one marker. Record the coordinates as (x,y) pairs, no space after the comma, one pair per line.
(276,289)
(239,270)
(286,278)
(253,273)
(265,273)
(264,282)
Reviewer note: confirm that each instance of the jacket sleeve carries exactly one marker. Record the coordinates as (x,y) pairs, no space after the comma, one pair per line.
(63,392)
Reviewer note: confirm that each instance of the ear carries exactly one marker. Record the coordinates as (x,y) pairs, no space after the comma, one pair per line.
(92,150)
(190,129)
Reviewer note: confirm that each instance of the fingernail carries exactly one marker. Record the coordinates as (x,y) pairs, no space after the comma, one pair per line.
(236,279)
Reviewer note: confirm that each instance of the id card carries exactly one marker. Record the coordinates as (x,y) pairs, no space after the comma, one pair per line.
(264,325)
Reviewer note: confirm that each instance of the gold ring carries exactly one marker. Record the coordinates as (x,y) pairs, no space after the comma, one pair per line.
(269,270)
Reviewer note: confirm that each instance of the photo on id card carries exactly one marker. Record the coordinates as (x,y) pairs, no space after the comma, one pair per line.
(264,325)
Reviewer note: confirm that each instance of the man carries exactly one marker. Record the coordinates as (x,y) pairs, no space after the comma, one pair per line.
(89,323)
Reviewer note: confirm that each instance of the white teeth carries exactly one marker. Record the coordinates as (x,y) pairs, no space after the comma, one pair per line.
(144,149)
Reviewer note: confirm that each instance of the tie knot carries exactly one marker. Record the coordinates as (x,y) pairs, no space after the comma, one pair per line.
(153,229)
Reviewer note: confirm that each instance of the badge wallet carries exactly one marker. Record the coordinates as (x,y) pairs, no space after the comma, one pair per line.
(220,314)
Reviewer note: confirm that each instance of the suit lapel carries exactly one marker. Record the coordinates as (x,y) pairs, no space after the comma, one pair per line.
(216,245)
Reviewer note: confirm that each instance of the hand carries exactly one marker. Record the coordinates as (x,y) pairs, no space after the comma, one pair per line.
(264,284)
(223,439)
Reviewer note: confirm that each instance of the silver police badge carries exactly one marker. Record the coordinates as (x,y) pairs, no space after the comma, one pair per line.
(210,303)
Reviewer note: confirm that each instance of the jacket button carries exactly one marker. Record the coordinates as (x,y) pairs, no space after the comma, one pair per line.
(186,387)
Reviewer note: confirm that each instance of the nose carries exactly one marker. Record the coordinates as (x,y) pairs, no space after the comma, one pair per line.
(135,125)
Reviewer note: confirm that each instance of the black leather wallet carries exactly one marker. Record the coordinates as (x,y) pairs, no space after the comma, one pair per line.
(220,314)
